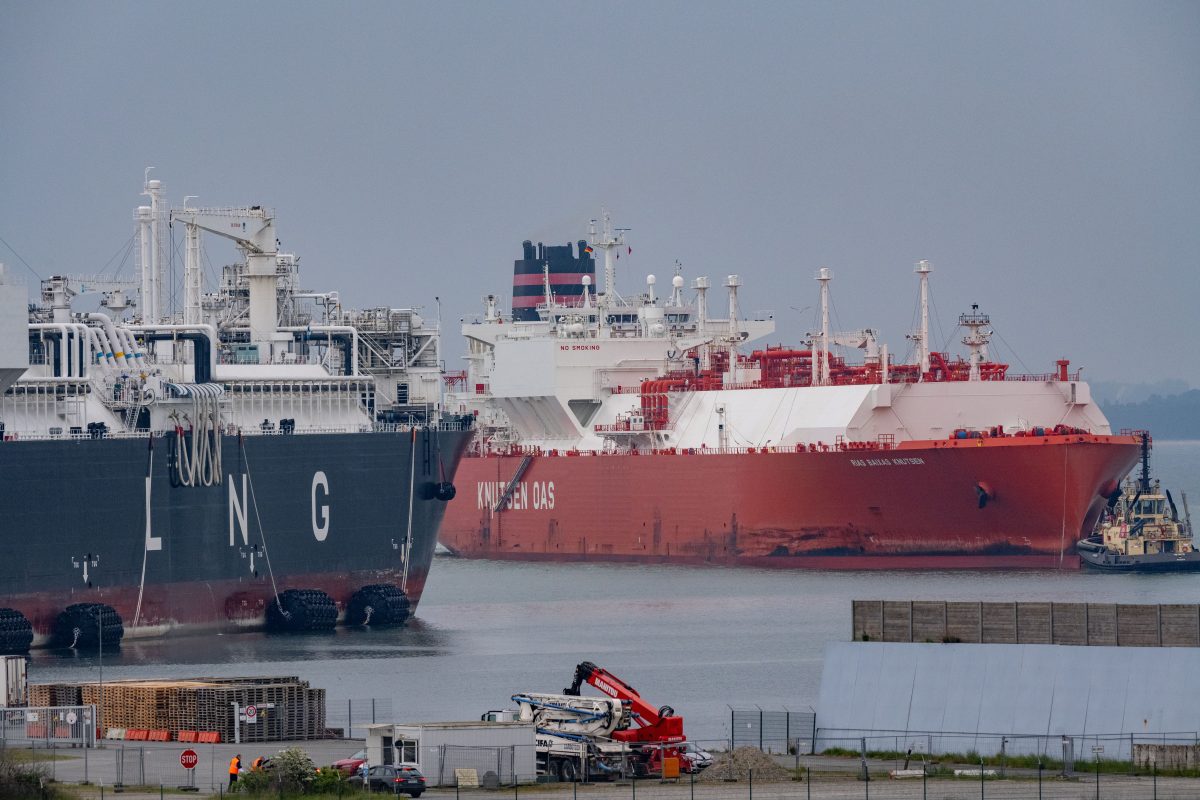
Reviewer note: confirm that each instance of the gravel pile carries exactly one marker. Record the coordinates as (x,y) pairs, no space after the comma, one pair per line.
(737,765)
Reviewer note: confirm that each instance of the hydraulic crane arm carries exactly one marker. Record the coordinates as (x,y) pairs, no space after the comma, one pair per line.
(657,724)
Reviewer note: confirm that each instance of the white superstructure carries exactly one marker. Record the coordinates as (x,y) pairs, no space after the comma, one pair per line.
(612,373)
(257,352)
(14,352)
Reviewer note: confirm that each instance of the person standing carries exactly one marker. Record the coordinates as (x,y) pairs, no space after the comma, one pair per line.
(235,766)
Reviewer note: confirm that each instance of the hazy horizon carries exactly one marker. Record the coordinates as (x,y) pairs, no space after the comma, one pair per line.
(1043,156)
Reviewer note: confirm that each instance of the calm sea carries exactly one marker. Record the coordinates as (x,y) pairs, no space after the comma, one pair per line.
(699,639)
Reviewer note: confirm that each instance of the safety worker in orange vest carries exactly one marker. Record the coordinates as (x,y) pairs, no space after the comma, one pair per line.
(257,764)
(235,766)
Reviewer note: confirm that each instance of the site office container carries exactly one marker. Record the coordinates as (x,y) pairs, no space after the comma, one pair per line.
(437,749)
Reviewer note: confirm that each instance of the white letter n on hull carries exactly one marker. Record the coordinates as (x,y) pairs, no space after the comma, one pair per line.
(237,509)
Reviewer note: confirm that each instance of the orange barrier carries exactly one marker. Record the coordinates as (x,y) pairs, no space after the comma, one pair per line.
(159,736)
(136,734)
(185,736)
(208,737)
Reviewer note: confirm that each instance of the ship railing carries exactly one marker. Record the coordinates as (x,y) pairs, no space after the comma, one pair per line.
(233,430)
(884,442)
(898,379)
(1044,377)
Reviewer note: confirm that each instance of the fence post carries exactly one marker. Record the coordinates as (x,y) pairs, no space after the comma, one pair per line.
(85,766)
(981,778)
(750,775)
(760,728)
(1154,778)
(1040,765)
(349,719)
(924,782)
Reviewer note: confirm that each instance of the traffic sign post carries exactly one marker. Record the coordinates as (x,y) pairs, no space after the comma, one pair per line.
(188,759)
(247,714)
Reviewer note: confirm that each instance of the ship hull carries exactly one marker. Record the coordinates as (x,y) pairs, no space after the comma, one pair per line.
(916,506)
(313,511)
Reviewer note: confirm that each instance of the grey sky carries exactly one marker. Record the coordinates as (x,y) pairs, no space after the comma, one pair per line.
(1044,156)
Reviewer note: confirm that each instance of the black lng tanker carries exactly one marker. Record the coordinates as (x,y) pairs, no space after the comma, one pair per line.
(252,456)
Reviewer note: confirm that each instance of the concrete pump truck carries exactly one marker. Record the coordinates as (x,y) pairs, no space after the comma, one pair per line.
(600,738)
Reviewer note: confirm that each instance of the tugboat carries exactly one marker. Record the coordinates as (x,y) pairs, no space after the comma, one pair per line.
(1140,530)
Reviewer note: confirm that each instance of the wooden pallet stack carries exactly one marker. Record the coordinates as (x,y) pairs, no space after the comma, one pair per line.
(287,707)
(54,694)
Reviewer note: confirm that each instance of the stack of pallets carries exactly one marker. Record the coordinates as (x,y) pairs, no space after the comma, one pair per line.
(286,707)
(54,694)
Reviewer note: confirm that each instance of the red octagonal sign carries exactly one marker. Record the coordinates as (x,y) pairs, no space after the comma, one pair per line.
(189,759)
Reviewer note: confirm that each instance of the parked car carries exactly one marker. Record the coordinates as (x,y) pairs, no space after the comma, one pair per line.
(693,758)
(397,780)
(350,765)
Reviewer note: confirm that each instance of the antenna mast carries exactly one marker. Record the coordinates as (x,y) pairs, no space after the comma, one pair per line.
(824,276)
(922,336)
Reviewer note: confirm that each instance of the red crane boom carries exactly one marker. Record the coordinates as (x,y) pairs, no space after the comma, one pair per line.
(656,725)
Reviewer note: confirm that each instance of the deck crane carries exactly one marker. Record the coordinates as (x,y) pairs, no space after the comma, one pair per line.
(596,738)
(253,231)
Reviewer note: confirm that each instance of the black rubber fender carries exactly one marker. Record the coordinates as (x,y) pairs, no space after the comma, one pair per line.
(86,625)
(16,632)
(301,611)
(377,605)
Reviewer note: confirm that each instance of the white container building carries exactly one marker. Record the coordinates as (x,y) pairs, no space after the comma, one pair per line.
(437,749)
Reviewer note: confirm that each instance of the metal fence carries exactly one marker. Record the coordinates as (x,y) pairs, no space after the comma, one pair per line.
(795,777)
(353,716)
(773,731)
(1075,747)
(62,725)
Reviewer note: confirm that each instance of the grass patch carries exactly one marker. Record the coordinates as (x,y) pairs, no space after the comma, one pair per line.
(937,764)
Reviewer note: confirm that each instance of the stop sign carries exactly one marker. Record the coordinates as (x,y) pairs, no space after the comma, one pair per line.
(188,759)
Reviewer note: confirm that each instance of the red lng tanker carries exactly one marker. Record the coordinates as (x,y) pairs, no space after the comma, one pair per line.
(640,430)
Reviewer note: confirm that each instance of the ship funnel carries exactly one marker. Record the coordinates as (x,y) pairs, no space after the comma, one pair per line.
(557,264)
